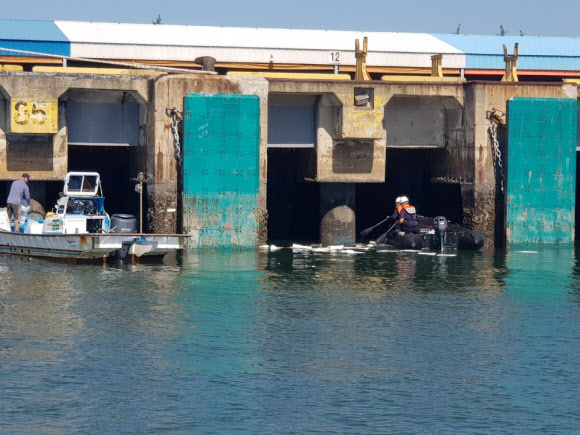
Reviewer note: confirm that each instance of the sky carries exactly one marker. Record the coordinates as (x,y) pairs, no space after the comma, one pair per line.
(530,17)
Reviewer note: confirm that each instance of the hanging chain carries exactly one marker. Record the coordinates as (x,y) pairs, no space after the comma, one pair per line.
(492,129)
(176,117)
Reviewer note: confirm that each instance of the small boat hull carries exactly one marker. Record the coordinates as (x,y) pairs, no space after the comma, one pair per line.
(86,246)
(63,246)
(466,240)
(152,245)
(471,241)
(406,240)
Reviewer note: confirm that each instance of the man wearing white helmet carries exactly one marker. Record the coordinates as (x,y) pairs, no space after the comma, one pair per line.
(405,215)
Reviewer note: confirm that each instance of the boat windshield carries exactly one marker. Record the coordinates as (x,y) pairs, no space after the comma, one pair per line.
(84,184)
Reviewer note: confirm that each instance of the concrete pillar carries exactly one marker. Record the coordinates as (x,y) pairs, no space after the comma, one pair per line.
(338,222)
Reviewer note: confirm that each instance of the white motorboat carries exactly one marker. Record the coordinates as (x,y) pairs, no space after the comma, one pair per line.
(80,228)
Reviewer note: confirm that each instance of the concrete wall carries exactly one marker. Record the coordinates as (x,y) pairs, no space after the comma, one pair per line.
(451,117)
(160,163)
(34,157)
(423,122)
(352,139)
(352,134)
(291,121)
(472,163)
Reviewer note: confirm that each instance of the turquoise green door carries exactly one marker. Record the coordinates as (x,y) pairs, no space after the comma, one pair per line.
(221,170)
(541,170)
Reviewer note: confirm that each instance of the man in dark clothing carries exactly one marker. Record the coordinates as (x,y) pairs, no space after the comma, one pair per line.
(18,191)
(406,216)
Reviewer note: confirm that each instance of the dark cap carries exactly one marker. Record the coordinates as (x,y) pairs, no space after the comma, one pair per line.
(25,175)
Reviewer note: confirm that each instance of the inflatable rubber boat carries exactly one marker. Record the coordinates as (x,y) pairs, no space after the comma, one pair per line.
(435,234)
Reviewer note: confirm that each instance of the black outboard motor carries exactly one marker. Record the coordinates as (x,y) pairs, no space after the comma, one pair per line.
(123,253)
(441,225)
(123,223)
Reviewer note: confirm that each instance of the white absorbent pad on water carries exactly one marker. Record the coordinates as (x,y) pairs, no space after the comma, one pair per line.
(271,248)
(297,247)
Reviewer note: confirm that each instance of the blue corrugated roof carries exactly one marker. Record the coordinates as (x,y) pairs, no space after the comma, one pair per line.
(35,36)
(528,45)
(534,52)
(541,63)
(48,47)
(17,30)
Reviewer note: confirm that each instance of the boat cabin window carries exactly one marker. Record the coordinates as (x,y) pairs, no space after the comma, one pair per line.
(82,184)
(74,183)
(87,187)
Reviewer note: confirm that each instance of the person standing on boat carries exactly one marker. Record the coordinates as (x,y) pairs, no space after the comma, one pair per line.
(405,215)
(18,191)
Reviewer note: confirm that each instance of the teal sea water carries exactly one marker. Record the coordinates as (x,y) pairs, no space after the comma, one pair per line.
(245,342)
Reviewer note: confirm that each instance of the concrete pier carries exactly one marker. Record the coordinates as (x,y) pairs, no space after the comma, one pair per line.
(356,127)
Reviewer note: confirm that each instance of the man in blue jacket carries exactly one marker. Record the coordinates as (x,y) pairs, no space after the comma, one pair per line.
(18,191)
